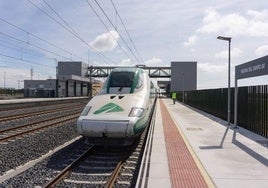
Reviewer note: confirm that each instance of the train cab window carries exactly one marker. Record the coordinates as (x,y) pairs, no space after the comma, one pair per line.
(122,82)
(121,79)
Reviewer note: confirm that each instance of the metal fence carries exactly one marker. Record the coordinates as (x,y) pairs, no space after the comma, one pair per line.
(252,108)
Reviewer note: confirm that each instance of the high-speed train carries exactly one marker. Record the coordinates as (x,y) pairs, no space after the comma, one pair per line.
(121,110)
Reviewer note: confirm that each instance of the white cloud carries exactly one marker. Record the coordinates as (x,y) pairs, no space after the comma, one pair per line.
(212,16)
(258,15)
(257,28)
(206,67)
(153,62)
(105,41)
(253,24)
(235,52)
(222,54)
(126,62)
(191,41)
(262,50)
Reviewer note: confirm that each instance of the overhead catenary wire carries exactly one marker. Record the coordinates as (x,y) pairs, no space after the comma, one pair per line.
(19,49)
(38,47)
(66,24)
(101,55)
(108,30)
(25,60)
(117,30)
(131,40)
(39,38)
(28,42)
(62,25)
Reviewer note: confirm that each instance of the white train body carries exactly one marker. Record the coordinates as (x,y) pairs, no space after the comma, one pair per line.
(120,112)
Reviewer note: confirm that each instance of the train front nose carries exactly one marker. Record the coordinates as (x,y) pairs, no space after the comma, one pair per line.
(101,128)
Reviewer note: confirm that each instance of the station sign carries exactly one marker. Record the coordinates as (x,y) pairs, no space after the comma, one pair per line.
(257,67)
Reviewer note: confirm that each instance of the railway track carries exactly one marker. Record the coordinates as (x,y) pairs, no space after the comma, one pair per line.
(94,167)
(36,125)
(21,106)
(15,132)
(30,114)
(68,169)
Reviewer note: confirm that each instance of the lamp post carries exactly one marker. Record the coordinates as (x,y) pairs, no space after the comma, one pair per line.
(229,62)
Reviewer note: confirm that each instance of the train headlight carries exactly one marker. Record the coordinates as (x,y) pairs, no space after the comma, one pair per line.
(86,110)
(136,112)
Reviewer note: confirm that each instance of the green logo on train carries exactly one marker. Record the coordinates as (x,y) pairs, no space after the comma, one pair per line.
(110,107)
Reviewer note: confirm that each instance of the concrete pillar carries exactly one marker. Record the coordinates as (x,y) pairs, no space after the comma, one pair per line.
(66,88)
(81,89)
(75,89)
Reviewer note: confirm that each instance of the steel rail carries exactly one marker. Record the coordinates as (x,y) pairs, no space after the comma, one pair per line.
(13,106)
(145,159)
(116,171)
(8,117)
(145,162)
(68,169)
(33,123)
(39,128)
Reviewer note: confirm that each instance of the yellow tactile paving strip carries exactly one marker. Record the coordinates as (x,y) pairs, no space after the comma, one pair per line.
(183,168)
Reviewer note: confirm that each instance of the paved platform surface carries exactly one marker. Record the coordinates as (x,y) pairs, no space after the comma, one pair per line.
(230,157)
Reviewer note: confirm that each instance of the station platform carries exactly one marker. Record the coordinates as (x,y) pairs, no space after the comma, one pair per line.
(194,149)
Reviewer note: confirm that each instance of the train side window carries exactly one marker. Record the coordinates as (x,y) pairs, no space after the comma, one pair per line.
(104,88)
(140,82)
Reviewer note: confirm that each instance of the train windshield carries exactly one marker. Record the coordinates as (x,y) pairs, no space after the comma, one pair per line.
(121,79)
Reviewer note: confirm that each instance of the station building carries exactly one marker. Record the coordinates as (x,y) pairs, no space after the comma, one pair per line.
(183,76)
(71,80)
(40,88)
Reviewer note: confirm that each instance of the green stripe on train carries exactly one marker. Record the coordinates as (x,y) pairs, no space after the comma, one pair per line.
(110,107)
